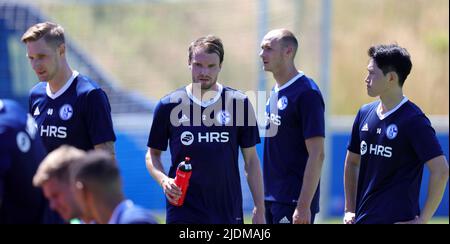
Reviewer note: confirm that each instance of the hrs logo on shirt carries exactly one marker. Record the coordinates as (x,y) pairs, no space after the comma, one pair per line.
(187,137)
(274,118)
(374,149)
(54,131)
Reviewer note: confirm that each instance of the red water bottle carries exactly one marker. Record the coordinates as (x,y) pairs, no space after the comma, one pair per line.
(184,172)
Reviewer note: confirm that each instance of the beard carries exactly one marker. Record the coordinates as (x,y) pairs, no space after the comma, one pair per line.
(45,77)
(205,85)
(209,85)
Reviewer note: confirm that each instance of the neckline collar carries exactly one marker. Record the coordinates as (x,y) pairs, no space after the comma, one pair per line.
(64,88)
(205,103)
(385,115)
(290,82)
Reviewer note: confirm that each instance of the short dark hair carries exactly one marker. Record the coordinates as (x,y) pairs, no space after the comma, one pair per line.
(392,57)
(52,33)
(97,167)
(210,44)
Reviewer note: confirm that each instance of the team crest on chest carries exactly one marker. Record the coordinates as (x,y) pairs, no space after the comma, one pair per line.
(223,117)
(282,103)
(23,142)
(66,112)
(391,131)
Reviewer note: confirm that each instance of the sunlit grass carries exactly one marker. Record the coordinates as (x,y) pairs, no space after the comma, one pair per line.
(161,217)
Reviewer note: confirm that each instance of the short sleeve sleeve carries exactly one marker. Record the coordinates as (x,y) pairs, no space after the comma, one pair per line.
(355,141)
(98,117)
(423,138)
(312,114)
(159,132)
(249,132)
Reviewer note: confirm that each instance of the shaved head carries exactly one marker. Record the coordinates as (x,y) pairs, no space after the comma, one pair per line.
(285,37)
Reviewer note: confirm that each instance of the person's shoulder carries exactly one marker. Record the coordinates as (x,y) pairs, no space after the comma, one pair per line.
(5,107)
(12,117)
(88,89)
(10,109)
(306,83)
(7,104)
(413,114)
(85,85)
(137,215)
(234,93)
(305,88)
(170,101)
(39,89)
(174,97)
(365,108)
(413,109)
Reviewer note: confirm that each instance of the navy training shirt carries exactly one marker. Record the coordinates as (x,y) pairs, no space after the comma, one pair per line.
(79,114)
(294,113)
(393,149)
(21,152)
(210,133)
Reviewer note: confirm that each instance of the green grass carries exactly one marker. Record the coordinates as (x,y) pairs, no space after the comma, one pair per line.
(437,220)
(161,216)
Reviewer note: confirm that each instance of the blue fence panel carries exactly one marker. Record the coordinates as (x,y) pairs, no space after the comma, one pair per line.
(137,182)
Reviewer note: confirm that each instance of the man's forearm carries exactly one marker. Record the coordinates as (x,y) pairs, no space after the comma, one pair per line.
(255,182)
(436,188)
(108,147)
(311,180)
(350,186)
(155,167)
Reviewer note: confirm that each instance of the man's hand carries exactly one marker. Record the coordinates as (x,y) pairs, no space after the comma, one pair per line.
(349,218)
(302,215)
(171,190)
(258,216)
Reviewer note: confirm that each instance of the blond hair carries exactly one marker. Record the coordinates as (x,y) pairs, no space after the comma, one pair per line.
(52,33)
(56,165)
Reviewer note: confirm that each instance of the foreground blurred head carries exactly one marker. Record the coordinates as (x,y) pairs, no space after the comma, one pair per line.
(54,178)
(97,185)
